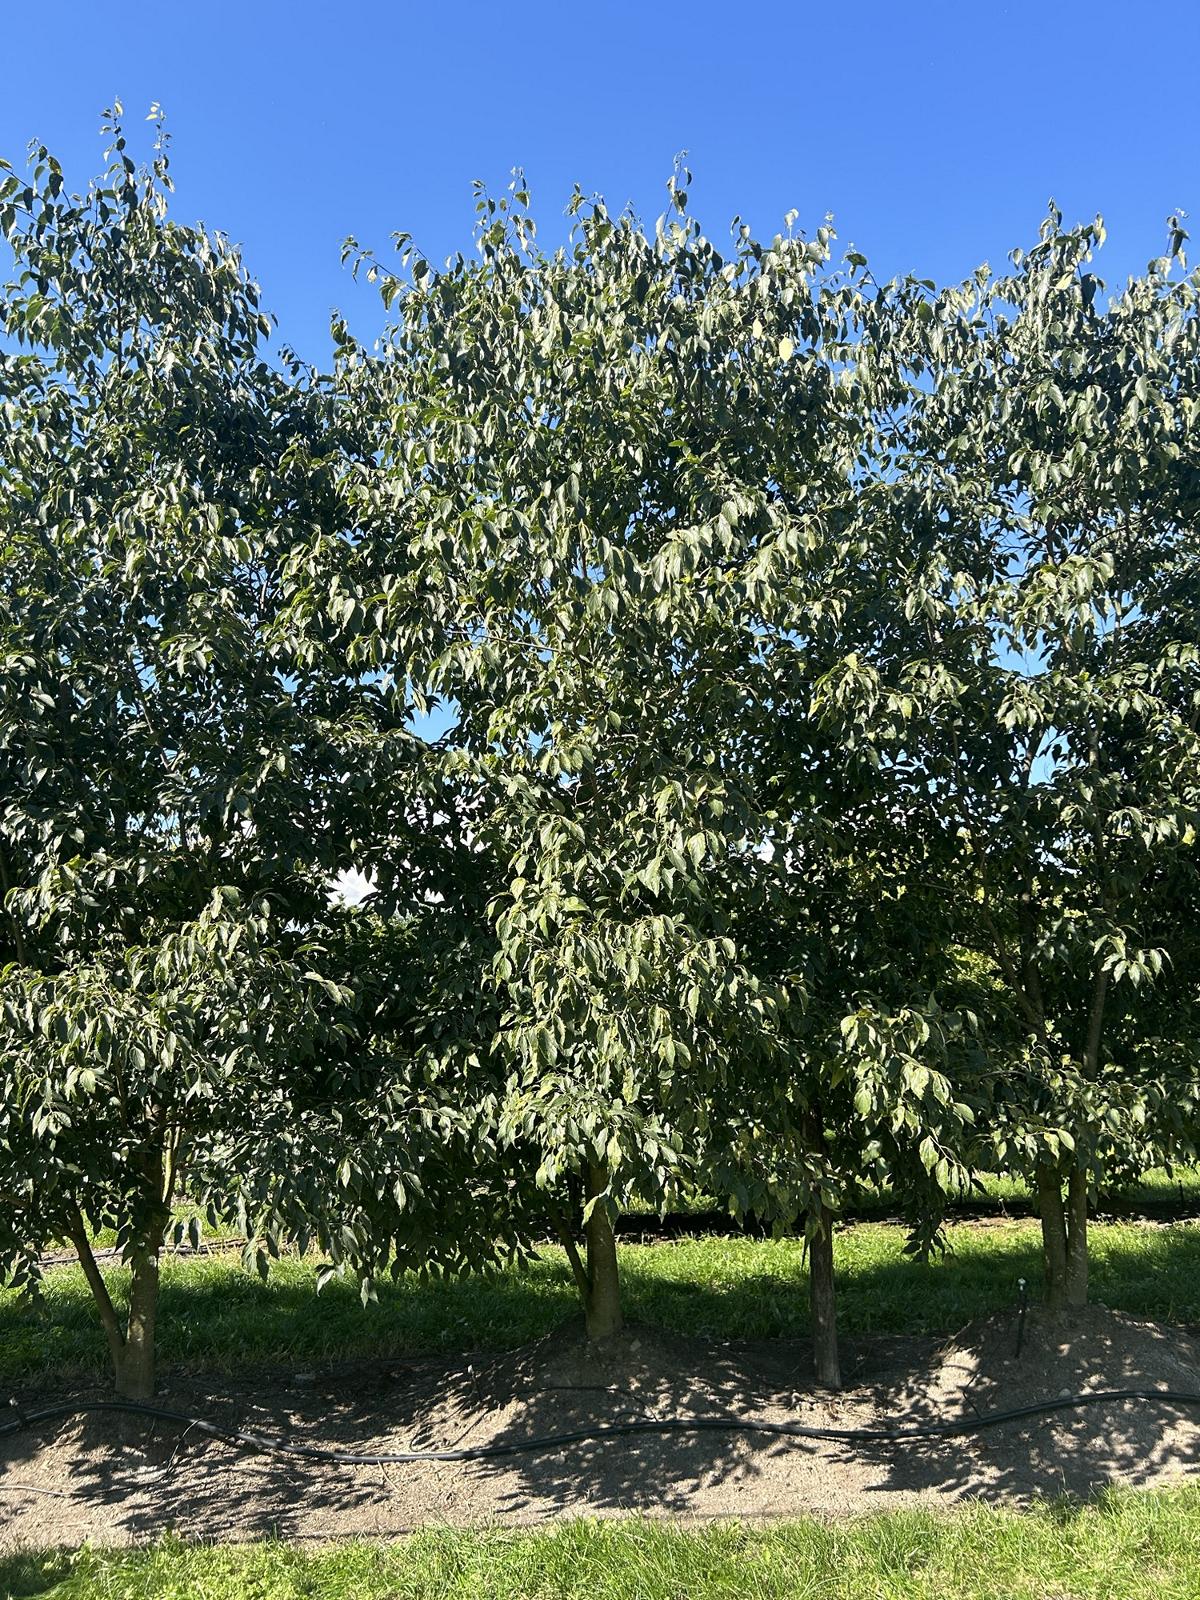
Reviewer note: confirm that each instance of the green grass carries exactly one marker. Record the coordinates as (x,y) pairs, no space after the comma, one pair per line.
(213,1314)
(1157,1186)
(1123,1547)
(1180,1186)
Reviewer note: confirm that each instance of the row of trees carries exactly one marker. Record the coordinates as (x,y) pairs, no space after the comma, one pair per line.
(819,669)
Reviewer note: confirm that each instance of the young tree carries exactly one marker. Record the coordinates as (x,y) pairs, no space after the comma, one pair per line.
(168,731)
(1048,482)
(611,481)
(883,1064)
(125,1075)
(574,504)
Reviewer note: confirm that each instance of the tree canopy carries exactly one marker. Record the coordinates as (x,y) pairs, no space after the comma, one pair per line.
(814,805)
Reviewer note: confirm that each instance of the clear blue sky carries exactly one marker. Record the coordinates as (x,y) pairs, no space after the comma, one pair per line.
(935,132)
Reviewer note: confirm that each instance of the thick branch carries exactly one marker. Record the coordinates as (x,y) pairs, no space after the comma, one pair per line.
(95,1278)
(1030,1012)
(582,1281)
(1095,1023)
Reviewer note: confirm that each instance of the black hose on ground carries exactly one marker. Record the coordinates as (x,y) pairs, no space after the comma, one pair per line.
(1023,1298)
(599,1434)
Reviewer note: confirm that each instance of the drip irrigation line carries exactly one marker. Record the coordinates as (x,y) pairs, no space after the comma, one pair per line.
(905,1433)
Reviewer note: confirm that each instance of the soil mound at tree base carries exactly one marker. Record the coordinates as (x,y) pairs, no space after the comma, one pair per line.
(117,1480)
(1088,1349)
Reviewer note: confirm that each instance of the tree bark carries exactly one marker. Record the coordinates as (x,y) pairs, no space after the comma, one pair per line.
(135,1370)
(822,1299)
(132,1347)
(574,1260)
(602,1304)
(95,1280)
(1054,1239)
(18,932)
(1077,1238)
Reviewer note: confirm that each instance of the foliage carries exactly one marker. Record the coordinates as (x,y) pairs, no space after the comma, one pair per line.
(613,484)
(123,1072)
(1045,499)
(171,744)
(815,806)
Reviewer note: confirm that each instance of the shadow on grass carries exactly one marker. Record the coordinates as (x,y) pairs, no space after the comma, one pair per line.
(40,1572)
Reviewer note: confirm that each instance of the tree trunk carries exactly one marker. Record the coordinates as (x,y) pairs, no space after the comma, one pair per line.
(1054,1239)
(602,1303)
(822,1301)
(135,1367)
(1077,1238)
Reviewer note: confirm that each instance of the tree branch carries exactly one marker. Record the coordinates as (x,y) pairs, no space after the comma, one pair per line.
(1096,1022)
(582,1281)
(95,1278)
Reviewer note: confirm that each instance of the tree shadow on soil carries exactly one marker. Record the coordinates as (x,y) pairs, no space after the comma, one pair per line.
(891,1383)
(139,1479)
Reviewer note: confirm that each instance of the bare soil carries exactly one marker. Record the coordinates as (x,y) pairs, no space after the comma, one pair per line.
(123,1480)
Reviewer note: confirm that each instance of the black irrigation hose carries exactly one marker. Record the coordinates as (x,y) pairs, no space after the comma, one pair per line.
(605,1431)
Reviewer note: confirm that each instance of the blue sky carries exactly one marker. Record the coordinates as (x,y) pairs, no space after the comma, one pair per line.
(935,132)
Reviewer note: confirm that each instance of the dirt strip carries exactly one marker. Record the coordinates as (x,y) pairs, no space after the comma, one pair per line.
(116,1481)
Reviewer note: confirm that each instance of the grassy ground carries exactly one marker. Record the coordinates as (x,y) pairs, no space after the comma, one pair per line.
(1156,1187)
(1125,1547)
(1180,1186)
(213,1314)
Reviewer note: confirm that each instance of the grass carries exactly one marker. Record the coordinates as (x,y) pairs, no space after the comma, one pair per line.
(213,1314)
(1124,1546)
(1181,1186)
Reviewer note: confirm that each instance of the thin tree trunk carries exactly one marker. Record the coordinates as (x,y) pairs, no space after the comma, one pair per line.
(131,1347)
(603,1301)
(135,1372)
(1077,1183)
(1054,1238)
(574,1260)
(1077,1238)
(822,1300)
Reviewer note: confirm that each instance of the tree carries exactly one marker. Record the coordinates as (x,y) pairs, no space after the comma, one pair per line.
(573,488)
(1048,479)
(125,1074)
(876,1086)
(168,734)
(607,481)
